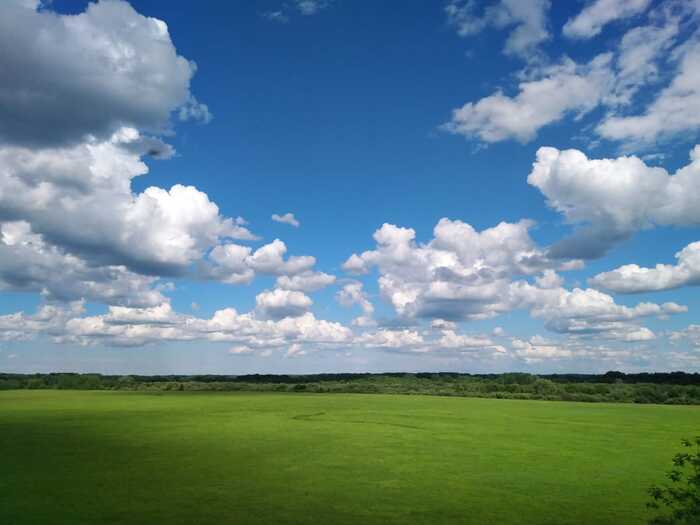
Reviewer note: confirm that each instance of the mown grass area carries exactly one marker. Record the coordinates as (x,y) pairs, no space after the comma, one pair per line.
(70,457)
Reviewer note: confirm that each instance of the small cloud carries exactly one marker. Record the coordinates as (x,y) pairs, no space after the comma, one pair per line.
(287,218)
(194,306)
(310,7)
(276,16)
(11,356)
(240,350)
(297,7)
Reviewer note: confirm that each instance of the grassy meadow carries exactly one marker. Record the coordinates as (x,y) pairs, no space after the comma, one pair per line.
(73,457)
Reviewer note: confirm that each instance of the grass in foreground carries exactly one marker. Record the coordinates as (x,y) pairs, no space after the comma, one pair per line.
(71,457)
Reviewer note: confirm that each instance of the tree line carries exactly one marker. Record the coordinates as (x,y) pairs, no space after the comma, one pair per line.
(660,388)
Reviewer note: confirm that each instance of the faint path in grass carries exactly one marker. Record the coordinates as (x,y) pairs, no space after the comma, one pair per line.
(307,417)
(311,417)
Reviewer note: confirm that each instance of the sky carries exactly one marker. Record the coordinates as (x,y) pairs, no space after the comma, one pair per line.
(308,186)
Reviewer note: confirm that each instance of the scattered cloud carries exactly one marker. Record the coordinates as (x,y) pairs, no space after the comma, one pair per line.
(278,303)
(296,7)
(559,90)
(528,21)
(675,110)
(287,218)
(591,20)
(351,294)
(236,264)
(307,281)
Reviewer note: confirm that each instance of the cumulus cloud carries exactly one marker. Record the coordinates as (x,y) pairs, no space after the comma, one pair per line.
(158,325)
(278,303)
(287,218)
(527,19)
(538,348)
(613,198)
(558,91)
(632,278)
(308,281)
(351,294)
(49,320)
(588,311)
(127,66)
(460,274)
(591,20)
(294,336)
(237,264)
(60,190)
(28,264)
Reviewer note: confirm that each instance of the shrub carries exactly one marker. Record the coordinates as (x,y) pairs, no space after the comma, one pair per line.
(680,498)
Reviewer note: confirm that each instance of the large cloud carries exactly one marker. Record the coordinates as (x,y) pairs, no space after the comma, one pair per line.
(69,77)
(462,274)
(80,198)
(27,263)
(612,198)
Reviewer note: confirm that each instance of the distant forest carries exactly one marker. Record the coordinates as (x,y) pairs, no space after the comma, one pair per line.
(663,388)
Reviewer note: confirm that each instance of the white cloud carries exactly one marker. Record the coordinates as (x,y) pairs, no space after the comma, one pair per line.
(460,274)
(240,350)
(308,281)
(352,294)
(558,91)
(527,19)
(236,264)
(278,303)
(58,68)
(613,198)
(632,278)
(587,311)
(287,218)
(638,55)
(675,110)
(50,319)
(29,264)
(539,349)
(591,20)
(158,325)
(690,334)
(60,190)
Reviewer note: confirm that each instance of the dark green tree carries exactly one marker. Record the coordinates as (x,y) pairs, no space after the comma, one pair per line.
(679,500)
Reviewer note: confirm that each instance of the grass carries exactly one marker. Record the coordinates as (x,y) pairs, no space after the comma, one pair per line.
(73,457)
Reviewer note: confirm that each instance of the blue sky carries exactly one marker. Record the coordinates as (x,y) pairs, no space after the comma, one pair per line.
(350,116)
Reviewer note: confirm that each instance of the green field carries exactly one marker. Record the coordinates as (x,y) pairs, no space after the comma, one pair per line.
(71,457)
